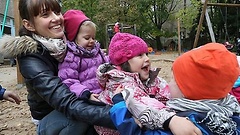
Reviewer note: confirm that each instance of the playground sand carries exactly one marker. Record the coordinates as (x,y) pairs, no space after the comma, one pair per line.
(16,120)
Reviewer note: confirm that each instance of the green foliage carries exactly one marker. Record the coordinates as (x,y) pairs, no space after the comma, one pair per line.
(189,14)
(148,15)
(89,7)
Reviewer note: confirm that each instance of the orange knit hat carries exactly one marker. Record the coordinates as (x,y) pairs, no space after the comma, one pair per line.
(207,72)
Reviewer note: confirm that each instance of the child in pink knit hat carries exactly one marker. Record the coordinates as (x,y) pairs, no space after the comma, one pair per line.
(84,55)
(144,92)
(201,81)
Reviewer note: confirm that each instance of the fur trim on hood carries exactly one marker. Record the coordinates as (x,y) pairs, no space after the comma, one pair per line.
(11,47)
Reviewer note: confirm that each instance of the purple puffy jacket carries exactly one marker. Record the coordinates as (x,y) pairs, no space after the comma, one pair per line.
(78,70)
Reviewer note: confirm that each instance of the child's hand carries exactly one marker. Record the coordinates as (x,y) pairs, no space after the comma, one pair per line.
(118,90)
(177,123)
(12,97)
(94,97)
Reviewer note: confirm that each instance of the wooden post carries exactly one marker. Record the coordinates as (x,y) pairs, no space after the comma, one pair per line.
(200,24)
(179,38)
(106,37)
(17,23)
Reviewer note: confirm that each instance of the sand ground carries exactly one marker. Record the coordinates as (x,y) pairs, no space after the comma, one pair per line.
(16,120)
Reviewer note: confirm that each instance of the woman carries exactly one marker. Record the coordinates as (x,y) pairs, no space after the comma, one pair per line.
(39,49)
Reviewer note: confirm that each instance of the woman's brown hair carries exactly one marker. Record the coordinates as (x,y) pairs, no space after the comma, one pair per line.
(28,9)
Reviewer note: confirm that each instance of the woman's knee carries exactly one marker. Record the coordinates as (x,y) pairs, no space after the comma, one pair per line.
(57,123)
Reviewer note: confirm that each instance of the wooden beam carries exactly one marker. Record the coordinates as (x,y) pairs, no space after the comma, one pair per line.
(17,23)
(223,4)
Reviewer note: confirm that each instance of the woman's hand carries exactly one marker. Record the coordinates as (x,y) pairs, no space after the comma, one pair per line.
(182,126)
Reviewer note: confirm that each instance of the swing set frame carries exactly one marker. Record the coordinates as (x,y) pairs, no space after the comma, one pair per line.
(204,13)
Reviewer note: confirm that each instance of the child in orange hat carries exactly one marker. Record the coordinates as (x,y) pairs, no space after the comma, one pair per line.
(201,81)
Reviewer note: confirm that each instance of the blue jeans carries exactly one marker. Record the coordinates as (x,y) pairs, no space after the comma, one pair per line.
(56,123)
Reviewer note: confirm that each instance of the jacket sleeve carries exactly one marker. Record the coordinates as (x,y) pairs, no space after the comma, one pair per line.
(123,120)
(126,125)
(40,77)
(2,91)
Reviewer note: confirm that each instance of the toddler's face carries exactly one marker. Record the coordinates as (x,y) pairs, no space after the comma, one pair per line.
(86,37)
(140,64)
(175,92)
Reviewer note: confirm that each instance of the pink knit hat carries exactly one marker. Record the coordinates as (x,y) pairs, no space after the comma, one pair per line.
(125,46)
(73,19)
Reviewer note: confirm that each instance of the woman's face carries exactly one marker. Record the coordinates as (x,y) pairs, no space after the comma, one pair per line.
(140,64)
(48,24)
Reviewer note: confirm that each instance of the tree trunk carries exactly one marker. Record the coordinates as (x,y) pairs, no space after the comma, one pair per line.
(159,44)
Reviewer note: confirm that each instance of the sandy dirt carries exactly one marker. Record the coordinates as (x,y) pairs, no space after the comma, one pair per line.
(16,120)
